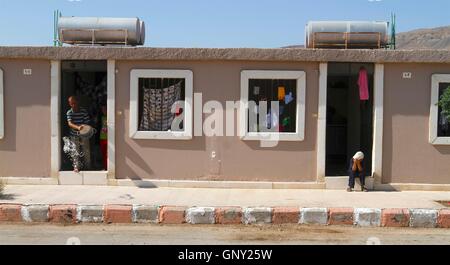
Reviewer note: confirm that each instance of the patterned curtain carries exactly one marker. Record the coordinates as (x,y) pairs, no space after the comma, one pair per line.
(157,106)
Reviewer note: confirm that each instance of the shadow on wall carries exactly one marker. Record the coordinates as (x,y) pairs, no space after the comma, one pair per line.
(443,150)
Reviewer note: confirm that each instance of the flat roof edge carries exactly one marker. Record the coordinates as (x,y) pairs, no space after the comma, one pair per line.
(226,54)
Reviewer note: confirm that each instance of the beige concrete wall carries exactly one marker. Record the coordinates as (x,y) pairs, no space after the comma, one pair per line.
(162,159)
(25,149)
(408,157)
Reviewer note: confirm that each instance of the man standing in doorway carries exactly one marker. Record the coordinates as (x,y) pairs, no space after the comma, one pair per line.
(77,118)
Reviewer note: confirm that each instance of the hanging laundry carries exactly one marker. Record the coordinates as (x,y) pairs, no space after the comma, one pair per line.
(268,121)
(286,121)
(288,98)
(178,110)
(253,118)
(256,90)
(281,93)
(274,121)
(281,110)
(287,124)
(157,105)
(271,120)
(363,83)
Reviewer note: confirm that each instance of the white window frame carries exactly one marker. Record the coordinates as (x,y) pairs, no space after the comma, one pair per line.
(134,104)
(434,109)
(2,115)
(299,135)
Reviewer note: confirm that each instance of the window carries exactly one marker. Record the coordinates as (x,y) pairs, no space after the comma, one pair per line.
(2,124)
(161,104)
(266,91)
(439,124)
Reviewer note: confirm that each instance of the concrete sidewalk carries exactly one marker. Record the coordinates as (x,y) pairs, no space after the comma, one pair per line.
(91,195)
(87,204)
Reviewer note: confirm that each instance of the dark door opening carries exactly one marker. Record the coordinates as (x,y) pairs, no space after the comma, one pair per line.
(87,81)
(349,119)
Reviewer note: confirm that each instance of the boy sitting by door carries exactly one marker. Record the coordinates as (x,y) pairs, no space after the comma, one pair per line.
(356,169)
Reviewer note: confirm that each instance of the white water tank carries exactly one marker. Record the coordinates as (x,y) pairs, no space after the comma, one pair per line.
(142,35)
(100,30)
(346,34)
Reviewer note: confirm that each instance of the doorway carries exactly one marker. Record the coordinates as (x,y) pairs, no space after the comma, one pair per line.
(87,81)
(349,125)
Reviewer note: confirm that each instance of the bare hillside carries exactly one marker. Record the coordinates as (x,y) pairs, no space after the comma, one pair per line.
(437,38)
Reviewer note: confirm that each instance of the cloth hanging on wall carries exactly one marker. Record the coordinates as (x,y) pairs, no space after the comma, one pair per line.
(288,98)
(256,90)
(281,93)
(363,83)
(286,121)
(271,120)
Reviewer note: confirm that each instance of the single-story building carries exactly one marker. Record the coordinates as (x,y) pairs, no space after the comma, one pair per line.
(400,128)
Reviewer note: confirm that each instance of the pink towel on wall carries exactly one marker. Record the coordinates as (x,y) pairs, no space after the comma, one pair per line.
(363,84)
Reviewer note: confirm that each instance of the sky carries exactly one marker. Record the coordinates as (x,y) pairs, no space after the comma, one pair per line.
(215,23)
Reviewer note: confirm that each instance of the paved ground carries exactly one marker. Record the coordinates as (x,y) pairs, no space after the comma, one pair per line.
(219,197)
(213,235)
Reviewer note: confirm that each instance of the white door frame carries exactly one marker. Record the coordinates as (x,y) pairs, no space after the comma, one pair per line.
(377,150)
(322,123)
(55,106)
(111,113)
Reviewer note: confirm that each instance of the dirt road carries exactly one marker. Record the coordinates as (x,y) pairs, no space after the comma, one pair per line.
(213,235)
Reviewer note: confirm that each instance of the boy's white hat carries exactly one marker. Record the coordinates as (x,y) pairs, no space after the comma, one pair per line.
(359,156)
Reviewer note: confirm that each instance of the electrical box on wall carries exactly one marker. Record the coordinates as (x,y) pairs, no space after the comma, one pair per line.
(407,75)
(27,72)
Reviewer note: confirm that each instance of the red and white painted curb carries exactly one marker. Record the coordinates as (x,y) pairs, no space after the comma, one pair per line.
(120,214)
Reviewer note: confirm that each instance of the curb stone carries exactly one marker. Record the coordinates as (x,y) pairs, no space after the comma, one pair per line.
(201,215)
(38,213)
(366,217)
(172,215)
(258,215)
(90,213)
(424,218)
(147,214)
(229,215)
(314,216)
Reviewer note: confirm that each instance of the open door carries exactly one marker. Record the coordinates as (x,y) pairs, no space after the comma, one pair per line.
(349,125)
(87,81)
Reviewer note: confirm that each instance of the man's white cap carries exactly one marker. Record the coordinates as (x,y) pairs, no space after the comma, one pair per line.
(359,156)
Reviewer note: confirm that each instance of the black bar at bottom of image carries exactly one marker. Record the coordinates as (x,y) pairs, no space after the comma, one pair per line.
(266,254)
